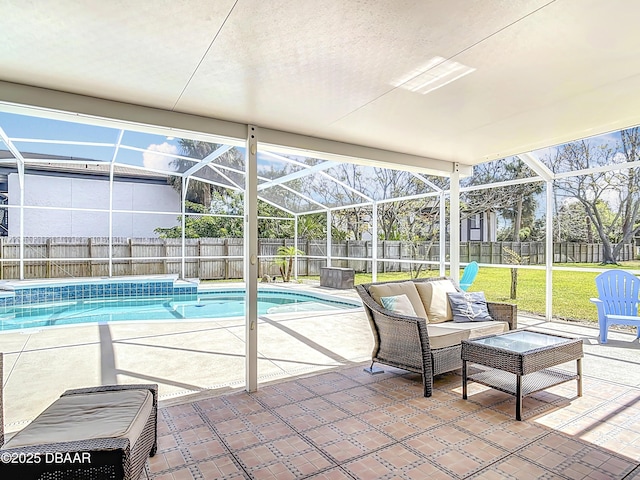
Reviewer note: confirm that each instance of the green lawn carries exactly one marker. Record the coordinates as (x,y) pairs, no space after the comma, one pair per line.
(571,290)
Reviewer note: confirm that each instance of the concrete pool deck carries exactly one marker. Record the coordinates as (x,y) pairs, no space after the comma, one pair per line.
(183,358)
(195,358)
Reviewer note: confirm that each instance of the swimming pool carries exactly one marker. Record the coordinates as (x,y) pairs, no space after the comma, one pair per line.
(205,305)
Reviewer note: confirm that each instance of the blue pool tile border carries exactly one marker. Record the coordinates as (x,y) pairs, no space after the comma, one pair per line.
(85,291)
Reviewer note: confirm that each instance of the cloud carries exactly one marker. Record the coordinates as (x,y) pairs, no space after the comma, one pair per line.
(158,161)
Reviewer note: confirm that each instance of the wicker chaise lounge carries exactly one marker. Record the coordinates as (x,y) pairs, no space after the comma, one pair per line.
(404,341)
(105,432)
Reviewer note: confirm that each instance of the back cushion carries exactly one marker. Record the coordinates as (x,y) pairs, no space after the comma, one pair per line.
(402,288)
(434,297)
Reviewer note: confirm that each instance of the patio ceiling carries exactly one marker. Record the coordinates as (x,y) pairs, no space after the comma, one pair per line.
(440,82)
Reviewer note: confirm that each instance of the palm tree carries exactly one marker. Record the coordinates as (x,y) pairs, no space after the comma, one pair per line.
(285,261)
(198,191)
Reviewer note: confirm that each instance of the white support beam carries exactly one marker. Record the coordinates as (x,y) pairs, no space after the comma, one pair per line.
(296,144)
(427,182)
(295,175)
(71,107)
(443,234)
(454,225)
(111,174)
(20,163)
(601,169)
(21,183)
(374,242)
(251,259)
(329,238)
(183,223)
(532,161)
(346,187)
(22,99)
(207,160)
(295,246)
(549,252)
(506,183)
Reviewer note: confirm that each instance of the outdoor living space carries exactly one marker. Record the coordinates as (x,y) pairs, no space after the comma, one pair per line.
(317,414)
(265,142)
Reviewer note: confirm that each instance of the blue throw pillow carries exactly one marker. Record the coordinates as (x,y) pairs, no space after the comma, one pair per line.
(399,304)
(468,307)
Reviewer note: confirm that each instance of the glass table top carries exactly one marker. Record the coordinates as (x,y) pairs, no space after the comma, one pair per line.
(521,341)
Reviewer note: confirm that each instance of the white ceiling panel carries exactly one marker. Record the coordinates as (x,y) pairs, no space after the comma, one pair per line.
(281,63)
(540,72)
(141,52)
(555,77)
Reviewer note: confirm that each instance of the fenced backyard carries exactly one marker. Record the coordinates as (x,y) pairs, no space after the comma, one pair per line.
(222,258)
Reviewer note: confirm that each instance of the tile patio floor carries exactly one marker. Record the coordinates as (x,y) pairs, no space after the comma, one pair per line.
(346,424)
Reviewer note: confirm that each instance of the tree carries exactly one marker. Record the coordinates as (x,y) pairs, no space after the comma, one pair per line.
(223,219)
(573,223)
(199,191)
(611,199)
(285,261)
(516,202)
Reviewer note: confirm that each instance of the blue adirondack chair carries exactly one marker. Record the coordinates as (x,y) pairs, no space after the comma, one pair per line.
(618,300)
(468,275)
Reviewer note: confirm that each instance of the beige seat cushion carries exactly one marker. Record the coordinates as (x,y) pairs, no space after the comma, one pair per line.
(477,329)
(434,299)
(447,334)
(402,288)
(443,337)
(71,418)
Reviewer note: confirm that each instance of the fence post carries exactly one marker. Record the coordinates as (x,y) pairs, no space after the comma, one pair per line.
(130,242)
(226,257)
(48,256)
(347,252)
(384,256)
(199,264)
(90,251)
(166,252)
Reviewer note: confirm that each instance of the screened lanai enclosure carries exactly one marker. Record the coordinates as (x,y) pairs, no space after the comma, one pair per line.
(95,198)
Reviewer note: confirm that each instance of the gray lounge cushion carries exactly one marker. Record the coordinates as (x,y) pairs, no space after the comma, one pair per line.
(469,307)
(88,416)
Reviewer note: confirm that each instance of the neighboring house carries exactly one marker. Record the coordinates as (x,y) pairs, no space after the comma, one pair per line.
(62,187)
(479,227)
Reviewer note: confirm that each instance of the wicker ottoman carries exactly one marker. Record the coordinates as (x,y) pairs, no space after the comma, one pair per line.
(105,432)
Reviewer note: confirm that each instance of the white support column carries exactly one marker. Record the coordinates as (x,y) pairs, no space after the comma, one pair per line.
(374,242)
(111,175)
(185,185)
(251,259)
(328,238)
(549,253)
(111,167)
(295,245)
(443,234)
(454,224)
(21,182)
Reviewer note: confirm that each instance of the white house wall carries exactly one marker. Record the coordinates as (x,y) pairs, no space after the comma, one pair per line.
(70,192)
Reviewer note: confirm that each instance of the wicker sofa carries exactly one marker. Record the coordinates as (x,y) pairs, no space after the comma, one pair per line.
(105,432)
(419,346)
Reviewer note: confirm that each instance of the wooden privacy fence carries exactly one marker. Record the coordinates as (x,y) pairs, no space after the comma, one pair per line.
(221,258)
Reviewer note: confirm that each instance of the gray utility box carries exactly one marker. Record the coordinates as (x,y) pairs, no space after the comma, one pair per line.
(335,277)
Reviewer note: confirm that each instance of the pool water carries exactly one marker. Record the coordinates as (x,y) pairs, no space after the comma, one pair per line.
(215,304)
